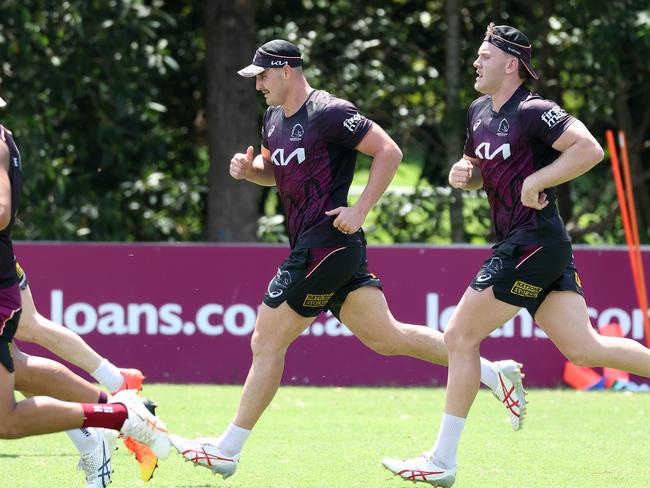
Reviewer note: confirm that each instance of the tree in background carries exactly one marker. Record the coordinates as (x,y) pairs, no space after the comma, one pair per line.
(233,206)
(103,100)
(109,102)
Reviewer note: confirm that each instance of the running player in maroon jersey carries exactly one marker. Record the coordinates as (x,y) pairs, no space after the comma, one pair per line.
(310,141)
(519,147)
(41,415)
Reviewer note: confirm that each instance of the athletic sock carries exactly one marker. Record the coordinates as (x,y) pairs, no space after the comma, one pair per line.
(444,451)
(108,375)
(84,440)
(232,440)
(488,376)
(107,415)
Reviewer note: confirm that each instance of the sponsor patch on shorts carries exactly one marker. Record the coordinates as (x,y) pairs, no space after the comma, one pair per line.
(524,289)
(312,300)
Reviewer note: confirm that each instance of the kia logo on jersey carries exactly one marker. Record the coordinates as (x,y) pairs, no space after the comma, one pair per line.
(279,160)
(483,151)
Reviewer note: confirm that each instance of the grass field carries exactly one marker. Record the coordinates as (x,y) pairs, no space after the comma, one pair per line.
(335,437)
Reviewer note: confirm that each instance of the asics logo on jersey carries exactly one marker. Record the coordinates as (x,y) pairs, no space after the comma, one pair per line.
(483,151)
(476,125)
(270,131)
(279,160)
(483,277)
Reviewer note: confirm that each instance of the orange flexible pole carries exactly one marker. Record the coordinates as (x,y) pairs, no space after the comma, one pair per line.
(621,198)
(624,211)
(634,227)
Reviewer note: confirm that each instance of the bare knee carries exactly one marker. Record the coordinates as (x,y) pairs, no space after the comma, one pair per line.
(8,428)
(265,343)
(459,338)
(27,328)
(588,352)
(581,355)
(381,345)
(387,343)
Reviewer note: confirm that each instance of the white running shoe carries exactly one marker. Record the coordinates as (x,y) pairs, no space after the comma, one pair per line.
(421,469)
(142,425)
(204,452)
(510,390)
(96,464)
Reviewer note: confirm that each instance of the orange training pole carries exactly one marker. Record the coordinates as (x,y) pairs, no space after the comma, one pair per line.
(643,304)
(621,198)
(624,212)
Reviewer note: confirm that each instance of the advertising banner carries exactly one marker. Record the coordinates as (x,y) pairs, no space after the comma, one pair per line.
(185,313)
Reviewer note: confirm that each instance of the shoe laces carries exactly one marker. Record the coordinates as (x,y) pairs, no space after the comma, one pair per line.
(95,466)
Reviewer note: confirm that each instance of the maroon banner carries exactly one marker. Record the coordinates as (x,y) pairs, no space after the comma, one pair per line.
(185,313)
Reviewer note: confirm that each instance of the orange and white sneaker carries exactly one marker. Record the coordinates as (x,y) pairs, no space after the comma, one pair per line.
(204,452)
(421,469)
(510,390)
(142,425)
(133,379)
(147,459)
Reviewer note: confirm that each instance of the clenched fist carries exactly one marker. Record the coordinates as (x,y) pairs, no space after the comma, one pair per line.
(460,173)
(241,164)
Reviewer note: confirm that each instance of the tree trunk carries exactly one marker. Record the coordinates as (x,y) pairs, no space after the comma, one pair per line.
(233,123)
(453,119)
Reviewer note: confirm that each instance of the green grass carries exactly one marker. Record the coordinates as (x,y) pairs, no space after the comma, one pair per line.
(335,437)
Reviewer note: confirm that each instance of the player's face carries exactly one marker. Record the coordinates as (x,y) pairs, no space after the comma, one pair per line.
(490,68)
(272,83)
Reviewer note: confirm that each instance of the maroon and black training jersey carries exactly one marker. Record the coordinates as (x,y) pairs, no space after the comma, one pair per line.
(7,265)
(510,145)
(314,158)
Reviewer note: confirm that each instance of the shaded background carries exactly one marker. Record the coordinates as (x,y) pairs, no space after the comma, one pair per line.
(127,112)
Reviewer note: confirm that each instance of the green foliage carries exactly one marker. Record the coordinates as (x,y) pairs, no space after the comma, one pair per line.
(102,108)
(107,102)
(389,58)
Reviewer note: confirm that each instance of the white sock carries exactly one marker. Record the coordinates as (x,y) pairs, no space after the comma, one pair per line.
(84,440)
(232,440)
(488,376)
(108,375)
(444,451)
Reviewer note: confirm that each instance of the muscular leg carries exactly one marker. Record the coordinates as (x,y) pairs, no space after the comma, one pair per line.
(475,317)
(275,330)
(40,376)
(366,313)
(63,342)
(563,316)
(38,415)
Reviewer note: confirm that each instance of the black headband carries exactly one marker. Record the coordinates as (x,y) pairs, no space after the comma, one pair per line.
(268,60)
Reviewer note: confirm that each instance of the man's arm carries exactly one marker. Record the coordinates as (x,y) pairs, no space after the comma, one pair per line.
(256,169)
(579,153)
(5,187)
(386,156)
(466,174)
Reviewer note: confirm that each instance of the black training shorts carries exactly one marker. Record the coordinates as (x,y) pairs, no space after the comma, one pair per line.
(312,280)
(524,275)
